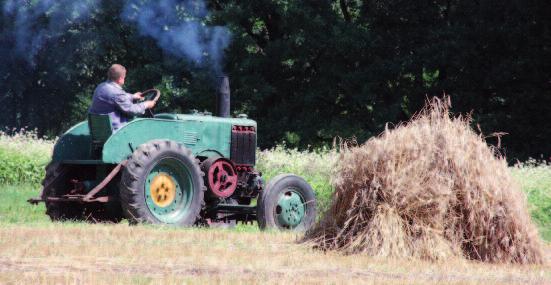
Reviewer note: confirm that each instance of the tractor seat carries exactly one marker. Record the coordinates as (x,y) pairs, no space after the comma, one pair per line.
(100,130)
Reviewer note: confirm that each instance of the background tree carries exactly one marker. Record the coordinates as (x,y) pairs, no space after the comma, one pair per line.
(308,71)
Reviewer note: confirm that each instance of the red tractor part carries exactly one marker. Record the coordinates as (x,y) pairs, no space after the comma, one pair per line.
(221,176)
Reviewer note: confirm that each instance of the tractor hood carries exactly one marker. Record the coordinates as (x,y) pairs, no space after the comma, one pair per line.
(204,134)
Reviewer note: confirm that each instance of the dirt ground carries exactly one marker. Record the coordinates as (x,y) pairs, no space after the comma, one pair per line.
(119,254)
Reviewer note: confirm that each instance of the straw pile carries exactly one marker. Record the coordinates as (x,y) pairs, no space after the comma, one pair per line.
(429,189)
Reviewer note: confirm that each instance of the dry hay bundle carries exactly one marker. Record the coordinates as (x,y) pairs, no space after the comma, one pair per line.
(429,189)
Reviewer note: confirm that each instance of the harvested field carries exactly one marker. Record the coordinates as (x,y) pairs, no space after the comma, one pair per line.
(429,189)
(119,254)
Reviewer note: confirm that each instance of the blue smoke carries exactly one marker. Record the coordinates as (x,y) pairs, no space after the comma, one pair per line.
(36,22)
(179,28)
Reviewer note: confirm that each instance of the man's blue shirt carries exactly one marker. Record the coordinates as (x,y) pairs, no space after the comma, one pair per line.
(110,99)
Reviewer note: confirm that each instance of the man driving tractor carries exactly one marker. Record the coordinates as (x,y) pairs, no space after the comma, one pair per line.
(110,99)
(172,169)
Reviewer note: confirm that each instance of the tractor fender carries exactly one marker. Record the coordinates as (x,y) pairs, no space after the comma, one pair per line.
(74,144)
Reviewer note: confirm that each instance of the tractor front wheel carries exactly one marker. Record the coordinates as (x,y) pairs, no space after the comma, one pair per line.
(162,184)
(287,203)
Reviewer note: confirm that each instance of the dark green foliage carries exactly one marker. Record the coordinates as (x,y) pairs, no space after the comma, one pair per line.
(309,71)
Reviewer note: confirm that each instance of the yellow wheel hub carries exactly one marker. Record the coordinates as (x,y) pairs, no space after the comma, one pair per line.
(162,190)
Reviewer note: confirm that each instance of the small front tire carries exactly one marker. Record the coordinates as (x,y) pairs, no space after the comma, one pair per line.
(287,203)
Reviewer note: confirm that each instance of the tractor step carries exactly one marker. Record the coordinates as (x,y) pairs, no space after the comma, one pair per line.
(240,213)
(234,209)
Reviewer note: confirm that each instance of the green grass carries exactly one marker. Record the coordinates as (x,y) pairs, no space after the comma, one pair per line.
(535,181)
(24,156)
(14,208)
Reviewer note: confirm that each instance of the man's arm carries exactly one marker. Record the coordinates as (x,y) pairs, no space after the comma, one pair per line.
(125,104)
(137,96)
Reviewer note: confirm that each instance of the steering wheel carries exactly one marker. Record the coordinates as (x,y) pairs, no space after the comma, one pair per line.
(151,95)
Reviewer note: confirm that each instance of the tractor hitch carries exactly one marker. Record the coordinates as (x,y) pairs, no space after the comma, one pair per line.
(71,198)
(81,198)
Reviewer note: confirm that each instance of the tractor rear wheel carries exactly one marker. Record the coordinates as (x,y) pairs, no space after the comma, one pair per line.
(287,203)
(56,178)
(162,184)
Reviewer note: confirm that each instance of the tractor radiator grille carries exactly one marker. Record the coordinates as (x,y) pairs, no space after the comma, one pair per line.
(243,145)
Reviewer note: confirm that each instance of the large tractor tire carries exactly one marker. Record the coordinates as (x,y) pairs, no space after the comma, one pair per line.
(56,178)
(287,203)
(162,183)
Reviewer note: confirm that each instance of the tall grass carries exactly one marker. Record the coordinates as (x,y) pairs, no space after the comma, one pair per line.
(314,166)
(24,155)
(535,179)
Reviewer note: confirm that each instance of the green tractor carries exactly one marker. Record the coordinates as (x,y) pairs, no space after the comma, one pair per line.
(175,169)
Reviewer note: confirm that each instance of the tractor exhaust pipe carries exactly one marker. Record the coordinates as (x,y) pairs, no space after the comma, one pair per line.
(223,97)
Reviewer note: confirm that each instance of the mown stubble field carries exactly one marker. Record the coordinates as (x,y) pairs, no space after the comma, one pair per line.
(121,254)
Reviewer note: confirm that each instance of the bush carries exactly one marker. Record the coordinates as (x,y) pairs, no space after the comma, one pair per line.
(535,180)
(315,167)
(23,157)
